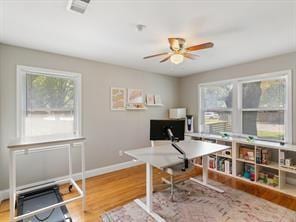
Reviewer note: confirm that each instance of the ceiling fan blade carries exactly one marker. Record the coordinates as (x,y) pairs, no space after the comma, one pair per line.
(151,56)
(201,46)
(165,59)
(190,55)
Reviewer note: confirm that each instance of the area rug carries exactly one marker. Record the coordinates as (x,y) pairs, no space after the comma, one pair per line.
(204,205)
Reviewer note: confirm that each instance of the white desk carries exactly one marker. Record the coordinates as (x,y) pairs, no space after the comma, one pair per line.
(165,156)
(28,145)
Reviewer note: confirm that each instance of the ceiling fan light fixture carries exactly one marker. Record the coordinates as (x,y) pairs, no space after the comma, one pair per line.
(179,51)
(175,45)
(177,58)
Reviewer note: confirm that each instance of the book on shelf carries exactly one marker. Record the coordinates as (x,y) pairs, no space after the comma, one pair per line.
(224,165)
(259,155)
(249,171)
(212,162)
(220,164)
(198,161)
(246,153)
(263,156)
(266,156)
(228,167)
(282,158)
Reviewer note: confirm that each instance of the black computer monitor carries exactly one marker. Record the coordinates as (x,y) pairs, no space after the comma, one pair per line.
(158,129)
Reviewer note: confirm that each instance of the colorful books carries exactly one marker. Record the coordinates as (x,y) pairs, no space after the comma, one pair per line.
(259,155)
(224,165)
(212,162)
(266,156)
(249,172)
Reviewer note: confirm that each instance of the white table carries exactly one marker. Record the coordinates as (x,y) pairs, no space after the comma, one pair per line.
(38,144)
(165,156)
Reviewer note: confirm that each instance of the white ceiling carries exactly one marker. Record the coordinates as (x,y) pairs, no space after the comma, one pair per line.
(241,30)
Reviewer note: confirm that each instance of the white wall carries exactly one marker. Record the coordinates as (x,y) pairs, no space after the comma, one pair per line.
(189,84)
(106,131)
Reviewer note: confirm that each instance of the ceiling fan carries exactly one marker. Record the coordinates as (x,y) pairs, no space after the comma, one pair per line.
(178,51)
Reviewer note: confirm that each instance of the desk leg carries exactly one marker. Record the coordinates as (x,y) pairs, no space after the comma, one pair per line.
(70,146)
(83,176)
(148,207)
(12,184)
(149,182)
(205,169)
(204,181)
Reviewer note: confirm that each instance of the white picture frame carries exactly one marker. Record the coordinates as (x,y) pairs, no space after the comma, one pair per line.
(135,96)
(157,100)
(118,99)
(150,99)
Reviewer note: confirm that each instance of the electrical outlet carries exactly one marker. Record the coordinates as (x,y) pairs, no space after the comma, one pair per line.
(120,153)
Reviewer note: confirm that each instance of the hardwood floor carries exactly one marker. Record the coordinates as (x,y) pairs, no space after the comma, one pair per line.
(115,189)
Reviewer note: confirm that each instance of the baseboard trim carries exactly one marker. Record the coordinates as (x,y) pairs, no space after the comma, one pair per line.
(4,194)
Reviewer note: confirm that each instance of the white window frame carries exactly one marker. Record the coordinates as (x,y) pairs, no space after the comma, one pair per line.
(21,72)
(200,125)
(287,75)
(237,109)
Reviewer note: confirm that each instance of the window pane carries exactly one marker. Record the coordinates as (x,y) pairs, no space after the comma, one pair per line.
(264,94)
(216,122)
(264,124)
(216,96)
(49,105)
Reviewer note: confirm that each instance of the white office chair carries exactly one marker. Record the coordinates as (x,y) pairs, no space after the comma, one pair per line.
(173,171)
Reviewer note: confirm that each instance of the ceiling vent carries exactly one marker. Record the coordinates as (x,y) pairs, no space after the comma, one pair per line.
(78,6)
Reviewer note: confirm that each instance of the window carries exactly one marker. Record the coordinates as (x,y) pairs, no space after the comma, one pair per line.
(264,108)
(258,106)
(216,108)
(48,102)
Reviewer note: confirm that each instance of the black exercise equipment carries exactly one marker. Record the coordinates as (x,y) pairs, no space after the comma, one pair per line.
(34,200)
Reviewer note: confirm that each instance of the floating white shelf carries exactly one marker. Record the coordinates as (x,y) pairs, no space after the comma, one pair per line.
(136,108)
(154,104)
